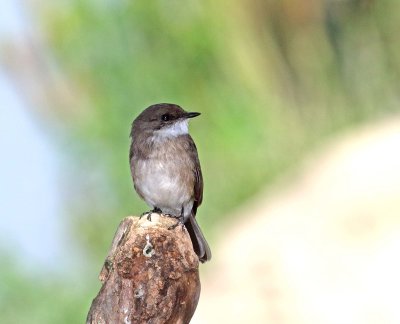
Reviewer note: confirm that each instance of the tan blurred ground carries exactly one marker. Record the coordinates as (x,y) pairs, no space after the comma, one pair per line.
(324,247)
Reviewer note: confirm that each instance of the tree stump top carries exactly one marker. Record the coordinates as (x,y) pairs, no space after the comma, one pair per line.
(150,275)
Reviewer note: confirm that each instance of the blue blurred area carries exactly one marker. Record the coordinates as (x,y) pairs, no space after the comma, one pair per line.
(31,225)
(35,249)
(13,22)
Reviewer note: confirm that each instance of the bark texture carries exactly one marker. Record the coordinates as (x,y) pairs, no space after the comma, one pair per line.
(150,275)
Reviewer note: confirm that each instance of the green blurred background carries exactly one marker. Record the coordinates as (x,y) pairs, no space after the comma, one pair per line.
(272,80)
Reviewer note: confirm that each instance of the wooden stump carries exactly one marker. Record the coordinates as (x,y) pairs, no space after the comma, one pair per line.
(150,275)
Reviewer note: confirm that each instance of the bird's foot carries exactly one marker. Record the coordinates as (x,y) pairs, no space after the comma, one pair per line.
(179,222)
(155,210)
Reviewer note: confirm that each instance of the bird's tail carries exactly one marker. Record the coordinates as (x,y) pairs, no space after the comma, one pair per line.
(200,244)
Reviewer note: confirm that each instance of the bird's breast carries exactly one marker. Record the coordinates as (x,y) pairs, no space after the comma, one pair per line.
(165,179)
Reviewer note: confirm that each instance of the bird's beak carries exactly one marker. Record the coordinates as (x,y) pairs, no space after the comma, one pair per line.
(191,114)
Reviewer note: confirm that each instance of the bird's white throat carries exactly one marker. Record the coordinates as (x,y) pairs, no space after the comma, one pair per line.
(178,128)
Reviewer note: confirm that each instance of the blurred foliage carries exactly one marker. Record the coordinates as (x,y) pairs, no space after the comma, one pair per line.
(36,300)
(271,79)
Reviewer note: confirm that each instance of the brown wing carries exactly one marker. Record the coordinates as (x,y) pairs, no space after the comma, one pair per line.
(198,183)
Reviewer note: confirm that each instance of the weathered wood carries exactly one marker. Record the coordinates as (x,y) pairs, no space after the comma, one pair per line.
(150,275)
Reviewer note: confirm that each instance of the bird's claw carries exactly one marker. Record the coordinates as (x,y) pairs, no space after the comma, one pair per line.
(155,210)
(179,222)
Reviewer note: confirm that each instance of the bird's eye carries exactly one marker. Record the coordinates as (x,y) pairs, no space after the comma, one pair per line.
(166,117)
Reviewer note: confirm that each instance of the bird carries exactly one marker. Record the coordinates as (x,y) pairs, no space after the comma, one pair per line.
(165,168)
